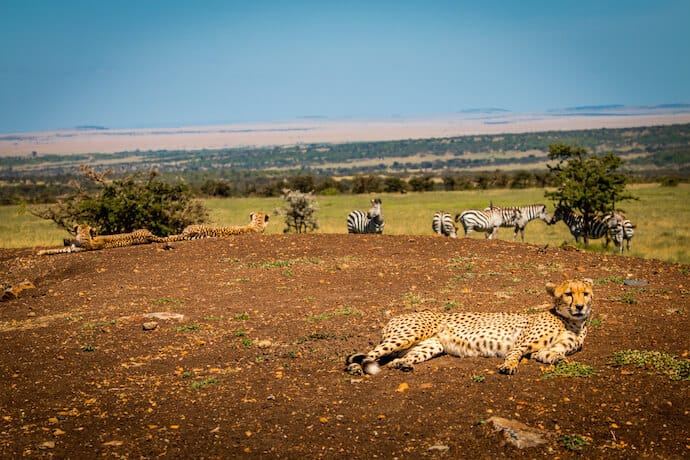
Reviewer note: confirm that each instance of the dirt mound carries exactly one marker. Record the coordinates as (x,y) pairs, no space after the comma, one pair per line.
(245,339)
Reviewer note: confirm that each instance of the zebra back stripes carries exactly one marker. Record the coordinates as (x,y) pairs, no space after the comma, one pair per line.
(600,226)
(527,213)
(622,232)
(487,220)
(443,224)
(369,222)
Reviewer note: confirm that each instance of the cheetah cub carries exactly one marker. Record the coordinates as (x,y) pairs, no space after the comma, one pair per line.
(547,337)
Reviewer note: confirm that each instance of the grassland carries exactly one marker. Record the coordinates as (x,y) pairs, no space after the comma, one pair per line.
(661,215)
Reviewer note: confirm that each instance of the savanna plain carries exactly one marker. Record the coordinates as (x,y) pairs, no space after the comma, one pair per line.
(225,348)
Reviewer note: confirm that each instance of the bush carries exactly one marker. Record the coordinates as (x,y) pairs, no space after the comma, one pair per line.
(126,204)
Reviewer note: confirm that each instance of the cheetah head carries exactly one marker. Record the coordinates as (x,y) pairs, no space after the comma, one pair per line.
(572,298)
(259,219)
(83,234)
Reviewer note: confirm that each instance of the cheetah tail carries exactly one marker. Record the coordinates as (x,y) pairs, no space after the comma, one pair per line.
(370,366)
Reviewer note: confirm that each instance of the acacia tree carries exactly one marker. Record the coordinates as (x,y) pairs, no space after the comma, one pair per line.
(125,204)
(300,211)
(588,183)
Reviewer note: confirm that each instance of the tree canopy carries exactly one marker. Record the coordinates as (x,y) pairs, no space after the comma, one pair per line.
(586,182)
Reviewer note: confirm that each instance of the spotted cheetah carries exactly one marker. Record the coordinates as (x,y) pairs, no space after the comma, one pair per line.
(86,240)
(547,337)
(258,223)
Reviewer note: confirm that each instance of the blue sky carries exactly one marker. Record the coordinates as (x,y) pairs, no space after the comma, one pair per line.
(143,63)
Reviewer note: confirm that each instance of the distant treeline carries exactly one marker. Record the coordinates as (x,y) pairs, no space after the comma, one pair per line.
(659,153)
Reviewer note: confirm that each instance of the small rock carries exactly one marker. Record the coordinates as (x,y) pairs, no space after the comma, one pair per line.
(164,315)
(438,448)
(47,445)
(149,325)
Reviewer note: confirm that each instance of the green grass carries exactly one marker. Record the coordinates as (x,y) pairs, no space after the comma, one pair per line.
(569,369)
(660,216)
(676,368)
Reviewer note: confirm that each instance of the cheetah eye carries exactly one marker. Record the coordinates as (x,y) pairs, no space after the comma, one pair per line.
(586,294)
(569,294)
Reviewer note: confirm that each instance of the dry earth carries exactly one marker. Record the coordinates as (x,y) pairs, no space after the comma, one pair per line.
(255,366)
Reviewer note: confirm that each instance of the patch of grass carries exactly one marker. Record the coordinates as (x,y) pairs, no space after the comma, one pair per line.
(100,324)
(479,378)
(247,343)
(596,322)
(167,300)
(185,375)
(628,297)
(450,305)
(572,442)
(187,328)
(609,279)
(345,311)
(214,318)
(242,316)
(88,348)
(569,369)
(203,383)
(240,333)
(676,368)
(315,336)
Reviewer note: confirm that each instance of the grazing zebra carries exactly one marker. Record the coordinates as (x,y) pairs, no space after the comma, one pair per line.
(488,220)
(599,227)
(527,213)
(366,222)
(623,231)
(443,224)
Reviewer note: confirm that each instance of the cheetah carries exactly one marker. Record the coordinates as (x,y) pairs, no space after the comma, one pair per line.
(258,223)
(548,337)
(86,240)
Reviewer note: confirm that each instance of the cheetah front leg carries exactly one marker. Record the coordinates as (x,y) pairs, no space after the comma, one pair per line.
(423,351)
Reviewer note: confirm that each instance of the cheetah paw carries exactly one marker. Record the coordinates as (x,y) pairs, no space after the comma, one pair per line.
(402,365)
(354,369)
(507,369)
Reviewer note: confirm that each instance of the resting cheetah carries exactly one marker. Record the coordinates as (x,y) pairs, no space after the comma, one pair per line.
(547,337)
(258,223)
(85,240)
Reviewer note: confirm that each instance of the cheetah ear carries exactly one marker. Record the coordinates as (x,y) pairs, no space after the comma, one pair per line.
(551,289)
(265,217)
(74,229)
(92,232)
(588,281)
(251,216)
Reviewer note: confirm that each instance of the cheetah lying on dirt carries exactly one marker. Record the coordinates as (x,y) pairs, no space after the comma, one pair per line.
(547,337)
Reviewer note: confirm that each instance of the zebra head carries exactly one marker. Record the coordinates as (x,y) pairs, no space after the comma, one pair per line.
(544,214)
(375,210)
(559,214)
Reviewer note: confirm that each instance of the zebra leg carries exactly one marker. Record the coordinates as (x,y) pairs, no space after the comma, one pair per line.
(423,351)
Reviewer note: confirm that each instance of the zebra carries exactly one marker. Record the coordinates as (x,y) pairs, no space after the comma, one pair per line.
(443,224)
(487,220)
(600,226)
(623,231)
(366,222)
(527,213)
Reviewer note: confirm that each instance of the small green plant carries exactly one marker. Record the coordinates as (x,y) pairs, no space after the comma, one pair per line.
(167,300)
(187,328)
(287,273)
(315,336)
(88,348)
(569,369)
(572,442)
(674,367)
(242,316)
(203,383)
(186,375)
(609,279)
(247,343)
(629,298)
(596,322)
(450,305)
(345,311)
(479,378)
(240,333)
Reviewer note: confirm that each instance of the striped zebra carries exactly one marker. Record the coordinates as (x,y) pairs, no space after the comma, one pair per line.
(443,224)
(600,226)
(527,213)
(366,222)
(487,220)
(622,232)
